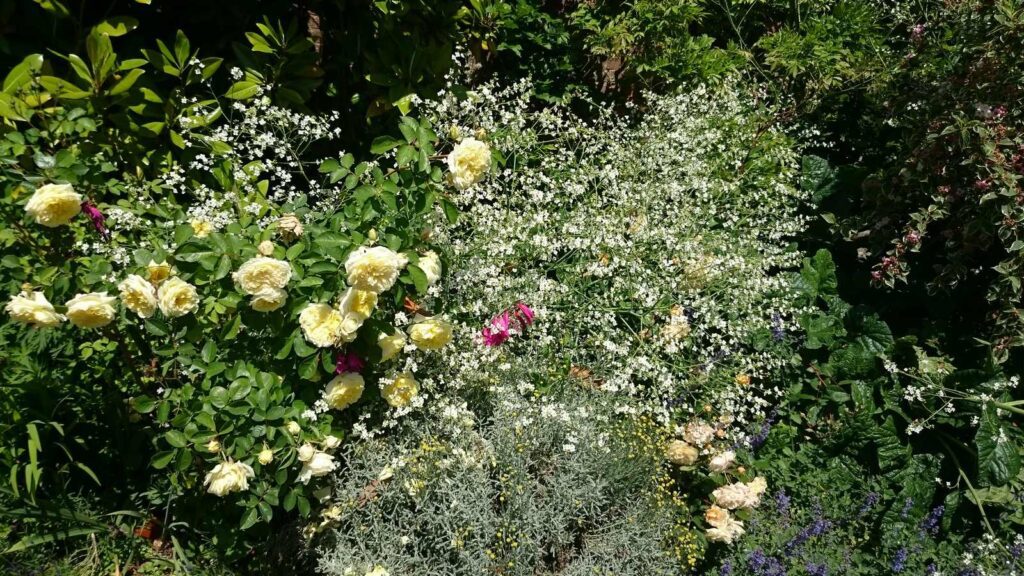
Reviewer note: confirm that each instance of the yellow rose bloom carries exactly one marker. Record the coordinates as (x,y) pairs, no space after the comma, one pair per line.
(177,298)
(92,310)
(358,303)
(390,345)
(261,273)
(374,269)
(138,295)
(430,263)
(201,228)
(430,333)
(468,162)
(266,456)
(158,272)
(34,309)
(268,300)
(344,390)
(321,325)
(400,391)
(681,454)
(228,477)
(54,205)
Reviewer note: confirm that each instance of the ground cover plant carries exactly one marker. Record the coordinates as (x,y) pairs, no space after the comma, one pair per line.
(511,286)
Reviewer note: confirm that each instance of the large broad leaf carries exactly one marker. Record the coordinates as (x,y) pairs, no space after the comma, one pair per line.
(817,177)
(998,453)
(869,331)
(818,276)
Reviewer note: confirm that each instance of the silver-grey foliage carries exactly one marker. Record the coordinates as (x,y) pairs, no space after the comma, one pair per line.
(540,488)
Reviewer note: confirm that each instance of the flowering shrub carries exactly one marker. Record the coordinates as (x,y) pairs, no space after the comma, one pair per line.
(232,310)
(647,250)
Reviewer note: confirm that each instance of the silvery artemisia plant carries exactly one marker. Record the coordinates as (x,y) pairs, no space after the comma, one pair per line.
(543,486)
(650,248)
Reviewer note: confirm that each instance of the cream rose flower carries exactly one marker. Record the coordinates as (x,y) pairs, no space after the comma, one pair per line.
(293,428)
(390,345)
(717,516)
(698,433)
(468,162)
(138,295)
(727,532)
(344,390)
(266,456)
(758,486)
(319,464)
(158,272)
(681,454)
(54,205)
(228,477)
(262,273)
(265,248)
(177,298)
(358,303)
(92,310)
(400,391)
(331,442)
(306,452)
(31,307)
(321,325)
(268,300)
(290,227)
(430,263)
(378,571)
(375,269)
(722,462)
(213,446)
(430,333)
(201,228)
(739,495)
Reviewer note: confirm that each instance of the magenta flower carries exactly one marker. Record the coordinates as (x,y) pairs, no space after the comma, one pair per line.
(524,314)
(348,362)
(498,331)
(97,218)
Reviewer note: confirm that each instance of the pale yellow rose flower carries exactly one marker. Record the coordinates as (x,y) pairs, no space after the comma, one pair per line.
(331,442)
(213,446)
(228,477)
(293,428)
(375,269)
(390,345)
(306,452)
(344,390)
(400,391)
(268,300)
(740,495)
(158,272)
(177,298)
(430,333)
(430,263)
(319,464)
(31,307)
(321,325)
(290,227)
(722,462)
(265,248)
(266,456)
(201,228)
(138,295)
(681,454)
(468,162)
(92,310)
(359,303)
(262,273)
(54,205)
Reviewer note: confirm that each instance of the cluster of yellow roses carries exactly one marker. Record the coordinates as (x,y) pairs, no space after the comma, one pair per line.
(370,272)
(174,297)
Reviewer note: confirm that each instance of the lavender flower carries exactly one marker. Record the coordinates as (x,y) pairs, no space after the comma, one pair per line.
(726,569)
(906,508)
(782,501)
(869,503)
(899,561)
(816,569)
(931,522)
